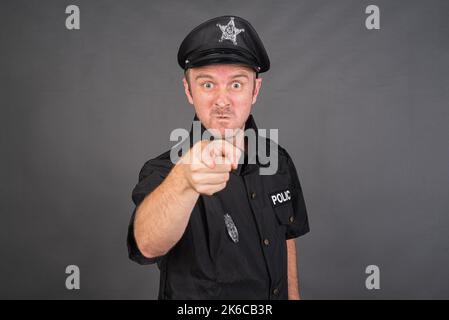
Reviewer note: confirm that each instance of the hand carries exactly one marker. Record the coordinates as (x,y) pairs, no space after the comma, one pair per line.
(207,165)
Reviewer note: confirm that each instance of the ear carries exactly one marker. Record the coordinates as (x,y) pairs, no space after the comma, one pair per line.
(257,85)
(187,90)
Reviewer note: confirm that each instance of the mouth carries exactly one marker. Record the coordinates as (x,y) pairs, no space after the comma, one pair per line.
(223,117)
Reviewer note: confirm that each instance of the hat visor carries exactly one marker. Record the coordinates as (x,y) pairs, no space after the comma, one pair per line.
(222,58)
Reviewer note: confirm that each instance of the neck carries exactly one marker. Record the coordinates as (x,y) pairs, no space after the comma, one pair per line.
(238,138)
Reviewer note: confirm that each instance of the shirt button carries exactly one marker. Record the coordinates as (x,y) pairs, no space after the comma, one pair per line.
(253,195)
(266,242)
(276,291)
(291,219)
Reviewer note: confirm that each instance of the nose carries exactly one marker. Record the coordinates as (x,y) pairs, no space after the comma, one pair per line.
(222,99)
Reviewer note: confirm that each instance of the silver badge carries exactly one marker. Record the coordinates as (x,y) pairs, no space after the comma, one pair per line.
(232,229)
(229,31)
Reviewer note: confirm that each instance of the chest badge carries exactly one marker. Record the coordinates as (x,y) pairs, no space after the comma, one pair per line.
(232,229)
(281,197)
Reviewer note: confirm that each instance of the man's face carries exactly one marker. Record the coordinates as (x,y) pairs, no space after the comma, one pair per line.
(222,94)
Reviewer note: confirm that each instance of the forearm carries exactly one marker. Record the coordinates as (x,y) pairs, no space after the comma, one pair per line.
(292,272)
(162,217)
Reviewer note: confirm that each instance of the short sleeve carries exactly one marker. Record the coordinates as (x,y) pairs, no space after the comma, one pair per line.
(300,224)
(151,176)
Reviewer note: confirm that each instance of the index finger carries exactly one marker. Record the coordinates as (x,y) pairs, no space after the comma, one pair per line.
(229,151)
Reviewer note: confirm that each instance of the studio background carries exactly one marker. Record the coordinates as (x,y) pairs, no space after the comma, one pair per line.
(363,113)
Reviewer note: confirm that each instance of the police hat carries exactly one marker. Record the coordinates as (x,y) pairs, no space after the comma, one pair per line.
(226,39)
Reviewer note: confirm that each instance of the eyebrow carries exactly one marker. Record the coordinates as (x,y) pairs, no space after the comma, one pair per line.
(203,76)
(206,76)
(240,75)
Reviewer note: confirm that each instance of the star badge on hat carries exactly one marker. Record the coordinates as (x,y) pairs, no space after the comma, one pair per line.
(229,31)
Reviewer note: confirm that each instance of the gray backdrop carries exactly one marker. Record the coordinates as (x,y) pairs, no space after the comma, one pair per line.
(364,114)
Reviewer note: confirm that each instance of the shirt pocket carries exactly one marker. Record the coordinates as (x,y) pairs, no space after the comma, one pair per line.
(284,214)
(281,202)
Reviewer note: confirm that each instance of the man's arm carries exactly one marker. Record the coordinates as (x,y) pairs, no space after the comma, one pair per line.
(162,217)
(292,271)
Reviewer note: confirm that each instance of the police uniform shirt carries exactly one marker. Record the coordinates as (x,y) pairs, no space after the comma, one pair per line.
(234,246)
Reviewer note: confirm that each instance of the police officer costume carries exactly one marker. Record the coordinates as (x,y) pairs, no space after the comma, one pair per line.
(234,246)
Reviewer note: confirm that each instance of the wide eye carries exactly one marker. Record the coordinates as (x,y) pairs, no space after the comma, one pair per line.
(208,85)
(236,85)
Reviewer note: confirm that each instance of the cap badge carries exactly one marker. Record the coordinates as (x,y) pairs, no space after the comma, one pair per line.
(229,31)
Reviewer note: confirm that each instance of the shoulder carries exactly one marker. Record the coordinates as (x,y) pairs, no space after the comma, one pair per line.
(161,164)
(276,151)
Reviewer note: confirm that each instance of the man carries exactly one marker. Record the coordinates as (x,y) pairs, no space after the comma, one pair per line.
(216,226)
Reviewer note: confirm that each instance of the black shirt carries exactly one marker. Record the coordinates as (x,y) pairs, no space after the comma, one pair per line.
(208,262)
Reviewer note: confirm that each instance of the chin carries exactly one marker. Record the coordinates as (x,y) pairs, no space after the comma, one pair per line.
(220,128)
(223,124)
